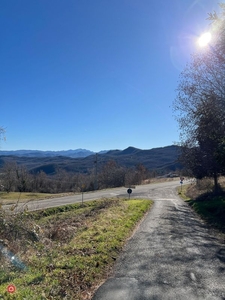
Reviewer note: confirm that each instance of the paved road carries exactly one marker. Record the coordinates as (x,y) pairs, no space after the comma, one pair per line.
(54,202)
(59,201)
(172,255)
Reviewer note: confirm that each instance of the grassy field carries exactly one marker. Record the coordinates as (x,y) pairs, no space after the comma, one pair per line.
(72,251)
(13,197)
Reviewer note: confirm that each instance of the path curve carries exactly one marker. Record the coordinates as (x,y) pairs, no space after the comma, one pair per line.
(172,255)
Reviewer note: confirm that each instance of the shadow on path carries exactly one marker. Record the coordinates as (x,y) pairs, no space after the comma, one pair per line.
(171,256)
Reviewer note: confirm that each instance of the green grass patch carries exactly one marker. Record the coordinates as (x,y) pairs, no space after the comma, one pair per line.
(76,249)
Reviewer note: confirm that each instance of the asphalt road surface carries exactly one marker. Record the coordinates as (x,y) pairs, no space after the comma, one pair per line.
(139,191)
(172,255)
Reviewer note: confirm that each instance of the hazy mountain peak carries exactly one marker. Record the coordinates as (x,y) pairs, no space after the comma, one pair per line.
(130,150)
(39,153)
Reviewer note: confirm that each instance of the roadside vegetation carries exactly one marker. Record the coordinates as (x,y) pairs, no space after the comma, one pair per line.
(209,205)
(64,252)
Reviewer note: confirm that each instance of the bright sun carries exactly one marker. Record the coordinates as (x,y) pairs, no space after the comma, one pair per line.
(204,39)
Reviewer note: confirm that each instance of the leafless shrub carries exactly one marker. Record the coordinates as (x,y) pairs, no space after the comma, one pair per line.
(17,233)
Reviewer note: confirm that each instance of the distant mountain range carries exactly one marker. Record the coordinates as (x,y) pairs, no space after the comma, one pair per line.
(38,153)
(163,159)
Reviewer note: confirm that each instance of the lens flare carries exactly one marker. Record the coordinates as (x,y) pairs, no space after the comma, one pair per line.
(12,258)
(204,39)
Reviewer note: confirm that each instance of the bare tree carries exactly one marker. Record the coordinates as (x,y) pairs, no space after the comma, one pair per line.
(200,106)
(22,179)
(8,176)
(111,175)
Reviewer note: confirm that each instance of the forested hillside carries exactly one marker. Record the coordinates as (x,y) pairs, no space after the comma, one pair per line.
(65,174)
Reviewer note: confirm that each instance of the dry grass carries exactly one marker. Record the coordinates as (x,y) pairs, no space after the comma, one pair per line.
(159,180)
(14,197)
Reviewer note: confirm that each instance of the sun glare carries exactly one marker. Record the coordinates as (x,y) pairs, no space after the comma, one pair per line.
(204,39)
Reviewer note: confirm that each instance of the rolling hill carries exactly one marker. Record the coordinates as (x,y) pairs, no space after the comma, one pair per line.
(163,159)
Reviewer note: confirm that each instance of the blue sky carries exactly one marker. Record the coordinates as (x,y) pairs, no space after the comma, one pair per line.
(94,74)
